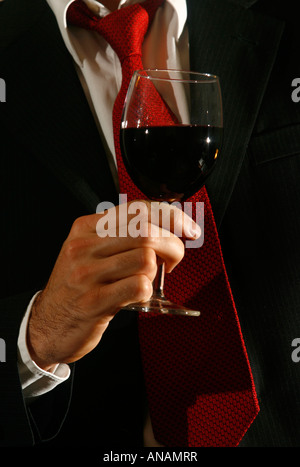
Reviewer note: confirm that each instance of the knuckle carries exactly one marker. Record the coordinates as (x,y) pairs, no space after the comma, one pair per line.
(77,225)
(73,248)
(179,249)
(142,288)
(149,237)
(147,259)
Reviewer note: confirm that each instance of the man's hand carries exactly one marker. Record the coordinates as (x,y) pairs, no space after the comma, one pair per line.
(94,277)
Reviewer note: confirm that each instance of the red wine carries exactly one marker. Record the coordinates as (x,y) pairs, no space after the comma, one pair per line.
(170,163)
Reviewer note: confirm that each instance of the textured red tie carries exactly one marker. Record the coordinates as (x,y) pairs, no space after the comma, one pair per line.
(199,384)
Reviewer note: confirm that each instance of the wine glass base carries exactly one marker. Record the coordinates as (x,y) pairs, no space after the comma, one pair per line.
(162,305)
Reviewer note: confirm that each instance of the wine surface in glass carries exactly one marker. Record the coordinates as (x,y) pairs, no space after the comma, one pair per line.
(170,163)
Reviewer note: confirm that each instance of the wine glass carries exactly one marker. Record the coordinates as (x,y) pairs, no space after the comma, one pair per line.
(170,137)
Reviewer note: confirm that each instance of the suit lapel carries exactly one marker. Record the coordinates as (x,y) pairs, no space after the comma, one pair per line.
(239,46)
(54,120)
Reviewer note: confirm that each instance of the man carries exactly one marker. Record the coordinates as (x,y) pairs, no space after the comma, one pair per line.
(52,118)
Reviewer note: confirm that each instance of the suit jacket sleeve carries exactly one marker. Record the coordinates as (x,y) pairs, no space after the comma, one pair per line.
(21,425)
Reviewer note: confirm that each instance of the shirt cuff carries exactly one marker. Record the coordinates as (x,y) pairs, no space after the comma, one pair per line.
(35,381)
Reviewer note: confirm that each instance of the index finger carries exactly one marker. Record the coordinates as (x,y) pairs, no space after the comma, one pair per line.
(123,219)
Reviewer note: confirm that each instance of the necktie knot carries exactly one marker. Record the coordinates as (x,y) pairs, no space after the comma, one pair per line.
(124,29)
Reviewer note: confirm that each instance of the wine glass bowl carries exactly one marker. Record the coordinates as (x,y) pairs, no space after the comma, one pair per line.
(170,137)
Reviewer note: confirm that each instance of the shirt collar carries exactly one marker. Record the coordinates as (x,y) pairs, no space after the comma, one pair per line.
(59,8)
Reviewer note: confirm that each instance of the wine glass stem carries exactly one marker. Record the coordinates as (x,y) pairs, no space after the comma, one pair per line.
(158,283)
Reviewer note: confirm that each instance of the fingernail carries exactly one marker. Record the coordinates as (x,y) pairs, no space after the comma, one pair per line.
(194,231)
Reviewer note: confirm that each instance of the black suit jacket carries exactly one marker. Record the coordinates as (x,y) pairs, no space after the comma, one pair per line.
(54,169)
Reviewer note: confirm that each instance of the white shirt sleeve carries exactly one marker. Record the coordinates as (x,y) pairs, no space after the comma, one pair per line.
(34,380)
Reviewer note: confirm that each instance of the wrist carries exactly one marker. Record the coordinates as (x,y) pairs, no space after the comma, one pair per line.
(36,340)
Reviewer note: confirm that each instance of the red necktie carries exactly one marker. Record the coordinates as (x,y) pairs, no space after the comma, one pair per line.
(199,384)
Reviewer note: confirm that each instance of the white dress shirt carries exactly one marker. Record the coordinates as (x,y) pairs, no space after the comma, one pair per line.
(99,69)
